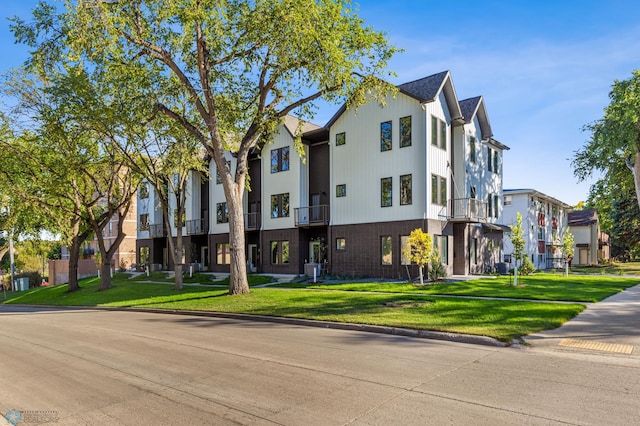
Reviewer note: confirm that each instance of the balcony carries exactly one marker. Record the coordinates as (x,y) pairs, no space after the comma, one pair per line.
(252,221)
(464,210)
(197,226)
(312,216)
(157,230)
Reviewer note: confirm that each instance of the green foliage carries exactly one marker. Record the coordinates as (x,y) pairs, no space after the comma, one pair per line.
(517,240)
(437,270)
(567,244)
(527,267)
(420,249)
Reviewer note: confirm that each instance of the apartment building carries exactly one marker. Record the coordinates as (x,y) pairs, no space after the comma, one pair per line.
(544,221)
(591,245)
(366,180)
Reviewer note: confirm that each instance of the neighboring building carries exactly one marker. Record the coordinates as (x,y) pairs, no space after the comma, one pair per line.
(424,160)
(591,245)
(544,221)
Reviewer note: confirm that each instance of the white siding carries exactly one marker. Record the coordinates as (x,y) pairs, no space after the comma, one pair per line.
(437,159)
(360,164)
(216,195)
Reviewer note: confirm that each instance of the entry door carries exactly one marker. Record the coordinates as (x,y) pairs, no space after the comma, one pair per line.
(253,257)
(314,252)
(584,256)
(315,208)
(204,252)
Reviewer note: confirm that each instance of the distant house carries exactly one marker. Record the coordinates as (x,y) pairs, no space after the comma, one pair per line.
(544,221)
(591,244)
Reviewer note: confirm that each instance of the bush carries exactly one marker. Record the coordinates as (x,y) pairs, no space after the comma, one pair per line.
(527,267)
(436,268)
(35,279)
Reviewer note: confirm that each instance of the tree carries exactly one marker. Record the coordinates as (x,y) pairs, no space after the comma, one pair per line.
(420,250)
(615,138)
(518,241)
(230,71)
(567,248)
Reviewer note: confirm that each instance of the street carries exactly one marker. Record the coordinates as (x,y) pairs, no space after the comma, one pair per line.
(96,367)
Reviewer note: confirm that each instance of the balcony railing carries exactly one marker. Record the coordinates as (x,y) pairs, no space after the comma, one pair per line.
(157,230)
(197,226)
(465,210)
(312,216)
(252,221)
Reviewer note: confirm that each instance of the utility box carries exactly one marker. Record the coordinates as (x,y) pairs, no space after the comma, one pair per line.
(22,284)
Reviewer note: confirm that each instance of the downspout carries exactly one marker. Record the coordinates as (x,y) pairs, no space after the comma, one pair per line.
(426,174)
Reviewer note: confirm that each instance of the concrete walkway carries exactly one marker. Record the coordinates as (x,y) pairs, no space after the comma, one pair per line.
(612,325)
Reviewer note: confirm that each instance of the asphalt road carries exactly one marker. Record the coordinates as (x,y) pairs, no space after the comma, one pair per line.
(92,367)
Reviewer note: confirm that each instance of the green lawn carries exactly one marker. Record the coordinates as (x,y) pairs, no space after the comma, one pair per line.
(503,320)
(615,268)
(199,278)
(541,286)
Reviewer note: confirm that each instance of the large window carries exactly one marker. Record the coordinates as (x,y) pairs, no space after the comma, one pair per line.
(404,250)
(341,244)
(144,222)
(386,192)
(280,205)
(490,159)
(405,131)
(280,159)
(341,139)
(341,190)
(441,245)
(223,256)
(279,252)
(496,162)
(438,132)
(473,251)
(438,190)
(222,213)
(490,206)
(385,136)
(405,190)
(387,250)
(496,206)
(472,149)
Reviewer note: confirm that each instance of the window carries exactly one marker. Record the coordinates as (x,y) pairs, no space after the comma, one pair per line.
(341,190)
(405,190)
(341,244)
(496,206)
(144,222)
(496,161)
(404,250)
(387,252)
(385,136)
(490,206)
(405,131)
(144,190)
(441,245)
(438,132)
(473,251)
(472,149)
(489,159)
(386,196)
(222,213)
(223,254)
(280,159)
(541,233)
(175,218)
(280,205)
(219,176)
(279,252)
(507,200)
(341,139)
(472,192)
(438,190)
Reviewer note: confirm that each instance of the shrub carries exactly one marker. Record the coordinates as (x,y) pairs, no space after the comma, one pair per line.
(436,269)
(527,267)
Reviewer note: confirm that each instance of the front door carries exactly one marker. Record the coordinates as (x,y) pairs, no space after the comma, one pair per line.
(315,252)
(204,252)
(584,256)
(252,259)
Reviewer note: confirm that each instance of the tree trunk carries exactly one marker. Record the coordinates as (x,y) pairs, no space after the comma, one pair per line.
(105,270)
(421,277)
(238,283)
(74,255)
(177,265)
(635,169)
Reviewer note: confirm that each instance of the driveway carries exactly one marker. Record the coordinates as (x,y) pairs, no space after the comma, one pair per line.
(612,325)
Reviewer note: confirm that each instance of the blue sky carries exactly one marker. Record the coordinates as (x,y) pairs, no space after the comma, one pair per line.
(544,67)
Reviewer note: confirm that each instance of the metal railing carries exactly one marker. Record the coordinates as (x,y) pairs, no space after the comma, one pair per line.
(312,216)
(252,221)
(197,226)
(465,209)
(157,230)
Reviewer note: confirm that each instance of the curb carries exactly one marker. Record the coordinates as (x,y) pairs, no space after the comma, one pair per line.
(380,329)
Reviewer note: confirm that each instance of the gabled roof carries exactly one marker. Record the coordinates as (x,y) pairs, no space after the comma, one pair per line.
(533,192)
(291,123)
(473,107)
(427,89)
(424,90)
(582,217)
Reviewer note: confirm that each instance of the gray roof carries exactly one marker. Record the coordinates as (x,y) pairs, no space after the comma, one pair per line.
(469,107)
(425,89)
(582,217)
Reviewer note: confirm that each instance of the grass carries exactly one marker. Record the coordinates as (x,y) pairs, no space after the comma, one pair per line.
(198,278)
(540,286)
(614,268)
(503,320)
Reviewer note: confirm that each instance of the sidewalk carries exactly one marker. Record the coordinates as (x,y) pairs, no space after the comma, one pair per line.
(613,323)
